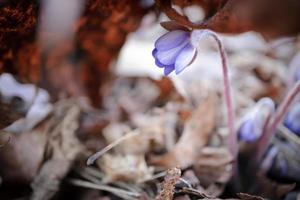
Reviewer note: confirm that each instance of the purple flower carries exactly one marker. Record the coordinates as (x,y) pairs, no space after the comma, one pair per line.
(253,124)
(174,51)
(292,120)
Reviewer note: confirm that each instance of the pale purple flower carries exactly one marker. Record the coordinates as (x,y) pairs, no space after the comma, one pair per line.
(174,51)
(292,119)
(253,124)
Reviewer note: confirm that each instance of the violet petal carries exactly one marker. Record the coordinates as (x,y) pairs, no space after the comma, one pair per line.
(292,120)
(168,69)
(185,58)
(158,64)
(247,132)
(168,57)
(154,53)
(171,40)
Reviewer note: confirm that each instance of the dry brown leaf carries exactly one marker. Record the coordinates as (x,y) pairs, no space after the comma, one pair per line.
(259,75)
(231,16)
(62,149)
(128,168)
(213,166)
(21,158)
(196,134)
(144,140)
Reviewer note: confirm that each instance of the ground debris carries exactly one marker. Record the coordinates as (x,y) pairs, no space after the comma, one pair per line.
(126,168)
(62,149)
(196,134)
(172,177)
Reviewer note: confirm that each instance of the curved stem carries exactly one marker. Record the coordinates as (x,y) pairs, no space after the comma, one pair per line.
(232,138)
(276,120)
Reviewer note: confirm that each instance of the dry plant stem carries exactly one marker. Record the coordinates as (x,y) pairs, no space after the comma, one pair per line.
(98,154)
(118,192)
(232,138)
(276,120)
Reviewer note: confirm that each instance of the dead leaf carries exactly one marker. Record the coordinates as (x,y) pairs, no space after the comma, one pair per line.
(231,16)
(214,165)
(21,158)
(62,149)
(196,134)
(127,168)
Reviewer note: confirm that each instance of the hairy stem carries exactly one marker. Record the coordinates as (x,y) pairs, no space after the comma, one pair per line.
(232,138)
(276,120)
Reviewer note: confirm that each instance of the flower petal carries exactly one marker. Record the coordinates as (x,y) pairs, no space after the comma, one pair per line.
(292,120)
(158,64)
(185,58)
(171,40)
(169,56)
(154,52)
(247,133)
(168,69)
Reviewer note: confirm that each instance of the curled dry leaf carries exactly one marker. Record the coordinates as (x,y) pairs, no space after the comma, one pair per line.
(128,168)
(126,96)
(62,149)
(259,75)
(231,16)
(213,166)
(21,158)
(145,140)
(196,134)
(172,177)
(158,126)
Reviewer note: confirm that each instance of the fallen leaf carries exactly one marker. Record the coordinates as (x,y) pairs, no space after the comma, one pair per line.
(214,165)
(128,168)
(196,134)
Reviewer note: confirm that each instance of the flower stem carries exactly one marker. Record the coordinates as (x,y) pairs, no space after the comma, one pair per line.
(276,120)
(232,138)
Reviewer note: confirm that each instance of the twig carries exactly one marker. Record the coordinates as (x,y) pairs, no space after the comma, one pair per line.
(94,177)
(155,176)
(116,191)
(98,154)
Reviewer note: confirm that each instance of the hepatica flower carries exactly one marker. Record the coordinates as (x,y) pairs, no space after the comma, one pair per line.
(292,119)
(177,49)
(253,124)
(174,51)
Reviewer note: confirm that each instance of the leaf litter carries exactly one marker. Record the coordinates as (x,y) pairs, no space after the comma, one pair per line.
(155,143)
